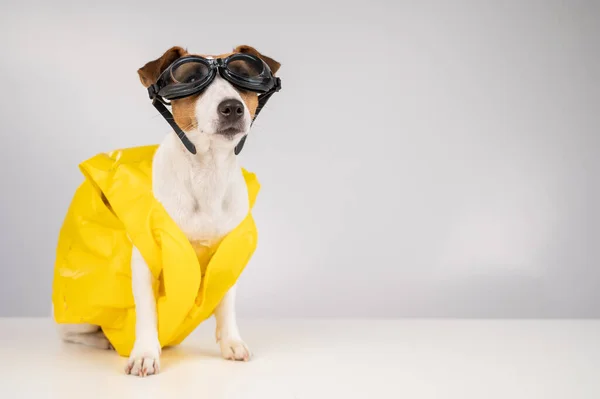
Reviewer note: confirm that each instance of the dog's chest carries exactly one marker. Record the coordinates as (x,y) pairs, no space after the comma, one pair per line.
(205,203)
(219,205)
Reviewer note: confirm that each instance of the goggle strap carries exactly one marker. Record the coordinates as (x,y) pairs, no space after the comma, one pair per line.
(240,145)
(169,118)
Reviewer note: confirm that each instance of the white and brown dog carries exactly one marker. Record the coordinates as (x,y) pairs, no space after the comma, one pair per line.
(204,193)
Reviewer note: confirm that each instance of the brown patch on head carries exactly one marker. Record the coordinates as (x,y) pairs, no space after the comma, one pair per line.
(184,112)
(251,100)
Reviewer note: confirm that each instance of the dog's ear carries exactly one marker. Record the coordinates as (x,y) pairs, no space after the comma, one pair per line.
(150,72)
(274,65)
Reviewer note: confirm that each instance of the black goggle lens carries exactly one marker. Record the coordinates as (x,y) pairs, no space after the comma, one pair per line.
(246,69)
(190,72)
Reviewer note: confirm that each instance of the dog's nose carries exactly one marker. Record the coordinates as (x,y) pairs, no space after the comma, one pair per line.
(231,110)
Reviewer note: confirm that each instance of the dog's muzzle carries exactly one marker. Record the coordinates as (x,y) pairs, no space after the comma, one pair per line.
(191,74)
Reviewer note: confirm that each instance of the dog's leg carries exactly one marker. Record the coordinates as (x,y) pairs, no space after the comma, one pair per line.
(227,334)
(85,334)
(144,358)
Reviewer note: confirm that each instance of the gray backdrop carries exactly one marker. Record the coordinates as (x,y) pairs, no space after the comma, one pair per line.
(423,158)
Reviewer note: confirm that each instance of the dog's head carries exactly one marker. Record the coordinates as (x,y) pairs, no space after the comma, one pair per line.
(221,114)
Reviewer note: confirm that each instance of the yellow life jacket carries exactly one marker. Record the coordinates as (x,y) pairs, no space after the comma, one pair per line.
(114,208)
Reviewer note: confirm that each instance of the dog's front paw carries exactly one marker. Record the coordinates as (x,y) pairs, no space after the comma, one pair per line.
(233,348)
(144,359)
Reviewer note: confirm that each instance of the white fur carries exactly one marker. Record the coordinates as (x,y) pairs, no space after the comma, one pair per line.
(206,196)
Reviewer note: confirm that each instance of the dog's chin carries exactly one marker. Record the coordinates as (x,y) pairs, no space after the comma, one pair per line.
(229,133)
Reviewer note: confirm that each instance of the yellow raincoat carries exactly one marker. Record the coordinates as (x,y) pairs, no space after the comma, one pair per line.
(92,272)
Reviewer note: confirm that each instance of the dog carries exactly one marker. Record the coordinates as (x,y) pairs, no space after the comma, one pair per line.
(202,191)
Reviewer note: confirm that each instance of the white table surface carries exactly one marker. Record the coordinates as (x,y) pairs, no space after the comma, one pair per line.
(302,359)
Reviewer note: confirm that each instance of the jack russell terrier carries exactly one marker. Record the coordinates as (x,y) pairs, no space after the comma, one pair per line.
(196,178)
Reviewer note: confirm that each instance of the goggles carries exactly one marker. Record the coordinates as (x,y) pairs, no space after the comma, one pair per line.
(191,74)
